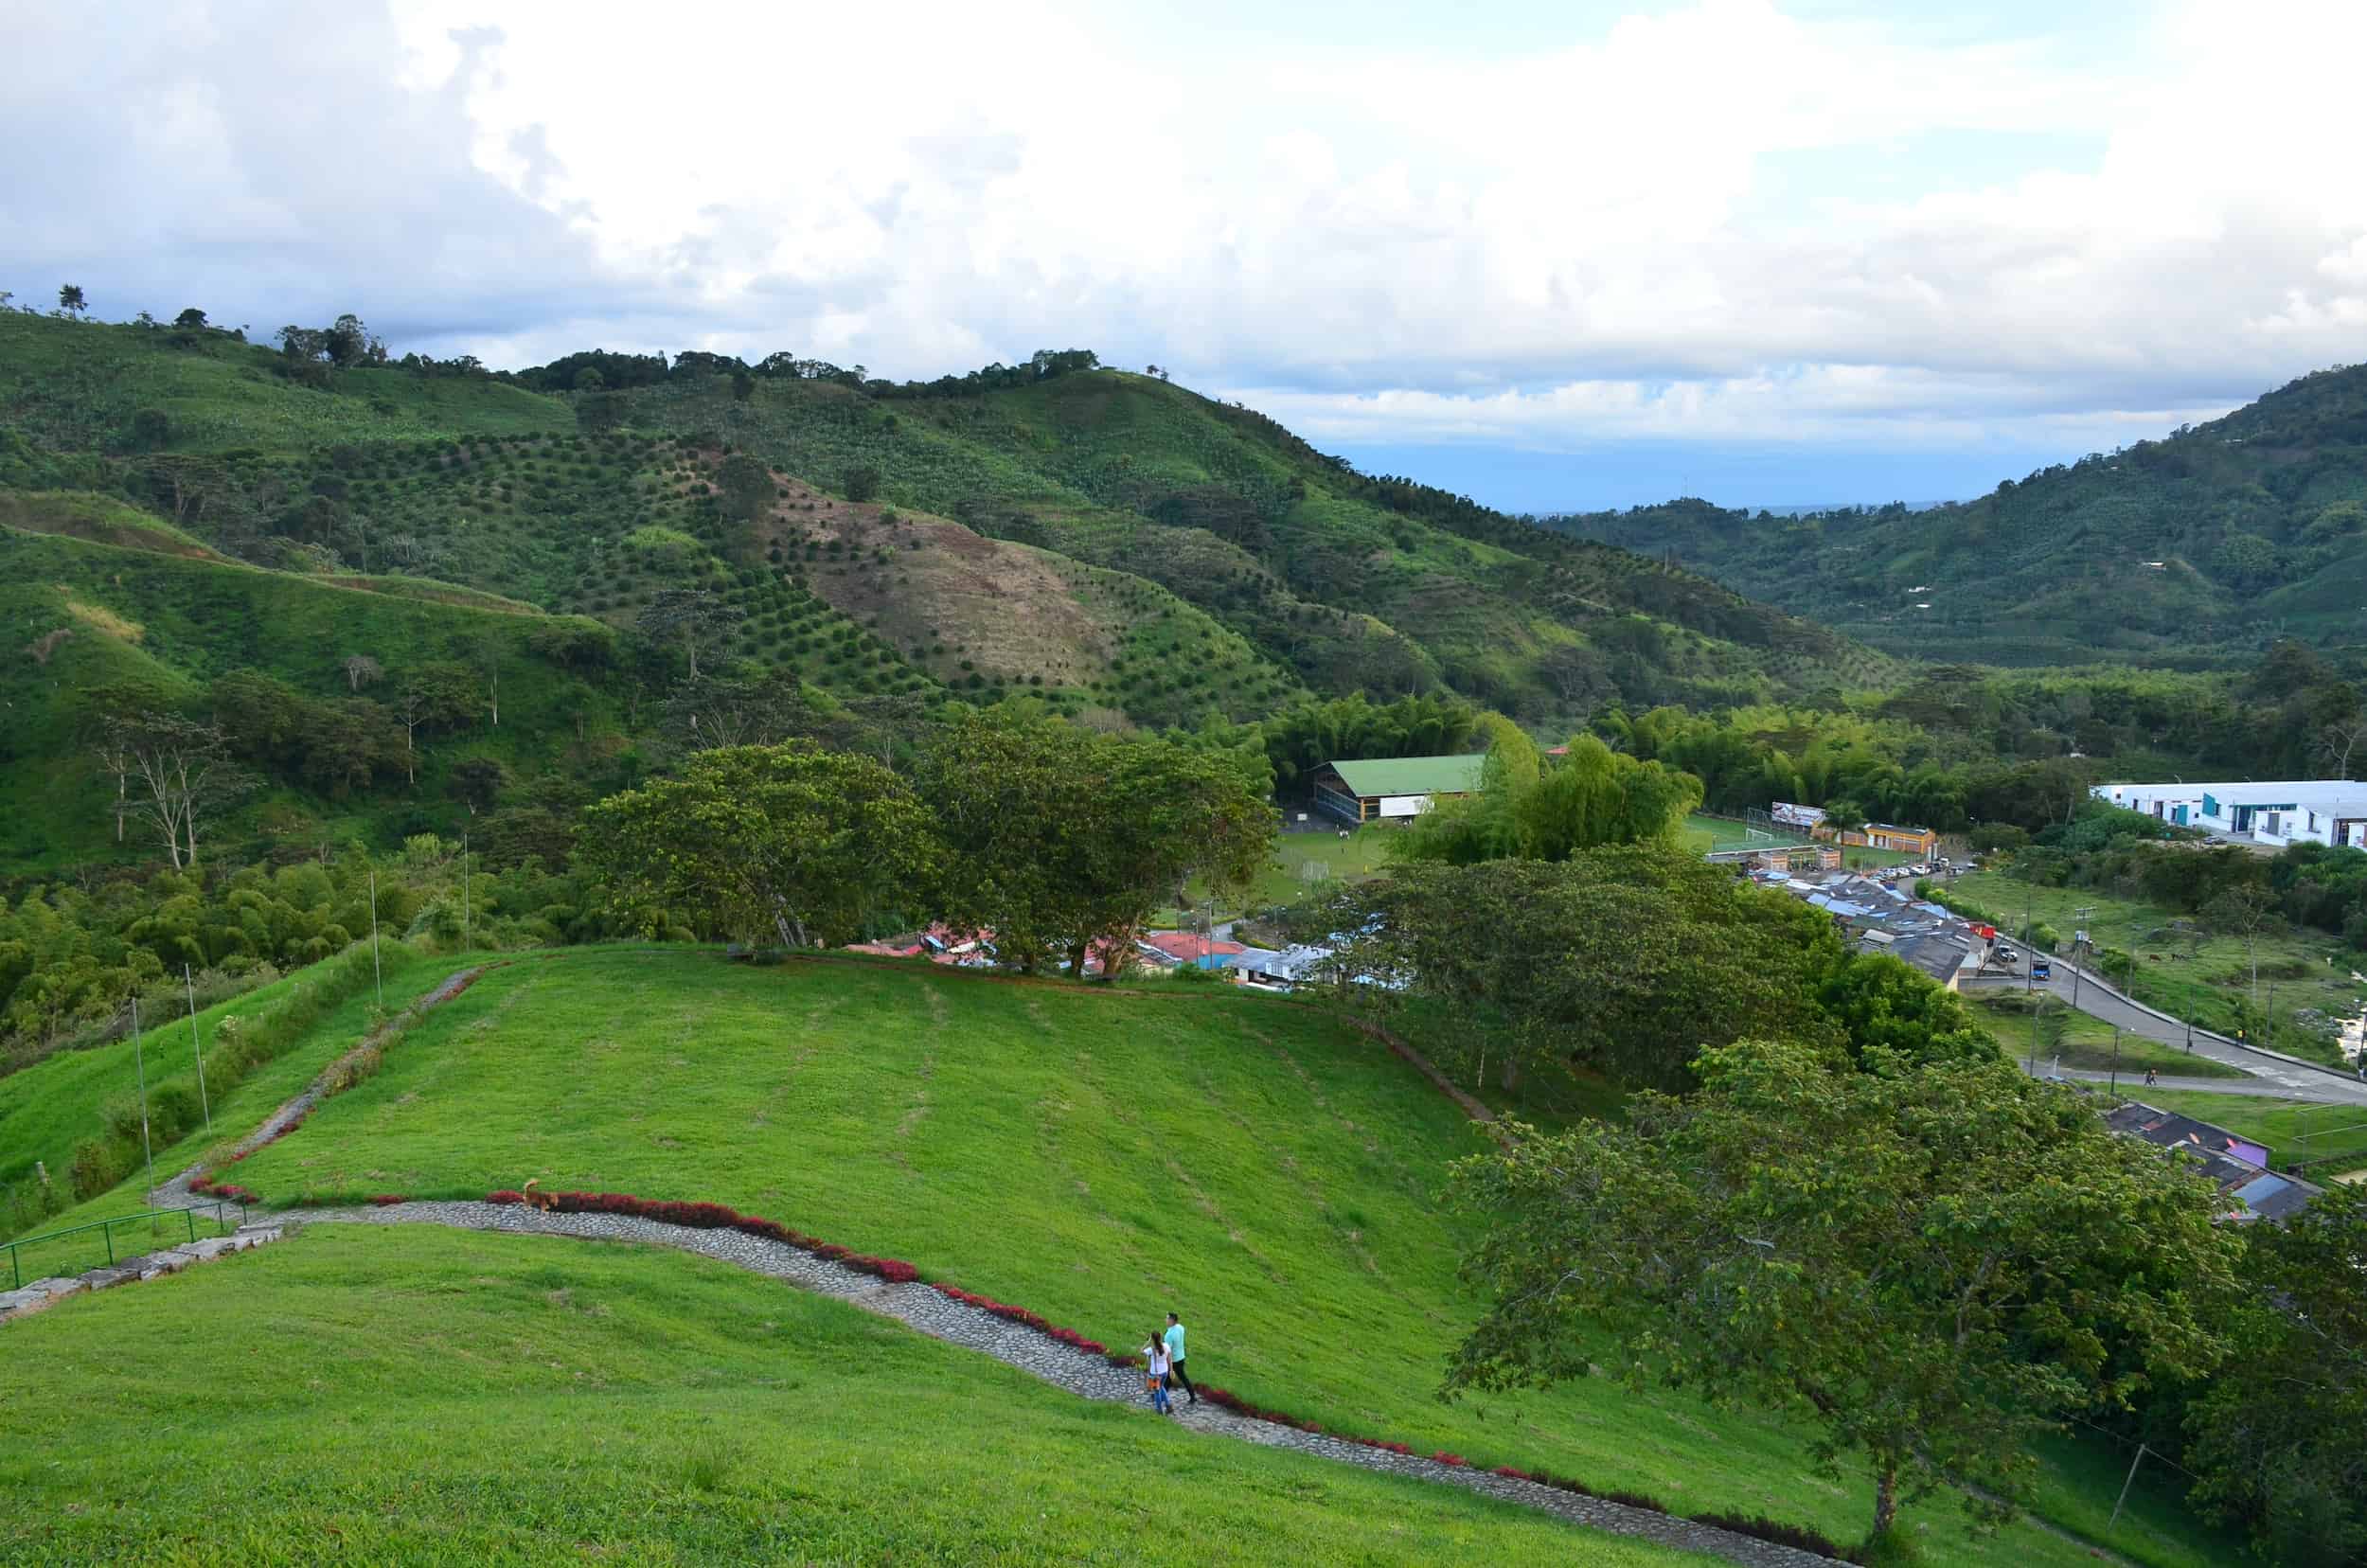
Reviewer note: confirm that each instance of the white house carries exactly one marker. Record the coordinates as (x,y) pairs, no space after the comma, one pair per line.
(2277,811)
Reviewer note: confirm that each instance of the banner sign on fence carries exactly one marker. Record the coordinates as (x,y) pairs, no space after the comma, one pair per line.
(1796,817)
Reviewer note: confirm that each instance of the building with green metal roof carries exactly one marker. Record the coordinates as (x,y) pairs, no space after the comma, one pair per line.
(1377,788)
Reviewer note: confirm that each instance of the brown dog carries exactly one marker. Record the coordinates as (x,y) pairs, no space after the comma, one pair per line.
(543,1201)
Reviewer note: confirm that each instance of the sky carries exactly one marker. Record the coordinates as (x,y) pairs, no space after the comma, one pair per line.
(1555,255)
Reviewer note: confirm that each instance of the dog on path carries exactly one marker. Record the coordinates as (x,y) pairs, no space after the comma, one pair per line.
(538,1199)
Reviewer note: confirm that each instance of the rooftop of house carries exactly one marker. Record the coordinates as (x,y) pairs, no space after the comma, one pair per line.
(1410,775)
(2262,1194)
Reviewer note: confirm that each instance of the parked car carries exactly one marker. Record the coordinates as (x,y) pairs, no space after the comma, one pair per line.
(2041,969)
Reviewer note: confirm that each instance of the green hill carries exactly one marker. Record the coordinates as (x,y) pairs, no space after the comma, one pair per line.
(2194,548)
(1096,1155)
(1276,566)
(427,1396)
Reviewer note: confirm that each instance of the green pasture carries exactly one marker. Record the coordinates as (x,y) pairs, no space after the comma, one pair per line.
(1100,1156)
(414,1396)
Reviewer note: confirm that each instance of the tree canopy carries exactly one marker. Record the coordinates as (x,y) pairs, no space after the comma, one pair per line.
(1930,1262)
(786,841)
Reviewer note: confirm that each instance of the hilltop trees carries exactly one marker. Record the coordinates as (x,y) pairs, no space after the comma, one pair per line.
(1602,964)
(786,841)
(1930,1264)
(1059,840)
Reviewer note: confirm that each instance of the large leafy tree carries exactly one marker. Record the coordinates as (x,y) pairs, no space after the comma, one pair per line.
(1060,838)
(788,841)
(2279,1437)
(1593,796)
(1623,960)
(1932,1262)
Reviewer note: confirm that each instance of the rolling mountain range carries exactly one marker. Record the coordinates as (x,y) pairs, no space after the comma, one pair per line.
(2196,549)
(183,506)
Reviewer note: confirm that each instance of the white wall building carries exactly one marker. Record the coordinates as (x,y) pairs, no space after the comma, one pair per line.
(2277,811)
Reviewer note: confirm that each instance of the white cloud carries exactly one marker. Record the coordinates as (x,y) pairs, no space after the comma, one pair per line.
(1718,222)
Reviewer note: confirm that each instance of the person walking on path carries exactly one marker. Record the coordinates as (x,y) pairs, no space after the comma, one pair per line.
(1175,1355)
(1155,1359)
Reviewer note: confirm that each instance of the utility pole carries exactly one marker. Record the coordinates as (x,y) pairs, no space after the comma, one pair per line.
(197,1051)
(139,1054)
(2115,1084)
(464,890)
(377,976)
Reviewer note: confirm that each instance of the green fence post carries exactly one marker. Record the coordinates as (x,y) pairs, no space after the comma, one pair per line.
(16,1271)
(109,1231)
(192,1215)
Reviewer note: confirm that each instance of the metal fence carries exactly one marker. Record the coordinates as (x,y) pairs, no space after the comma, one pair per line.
(102,1234)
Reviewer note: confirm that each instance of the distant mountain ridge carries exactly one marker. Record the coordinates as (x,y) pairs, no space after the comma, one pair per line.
(2198,548)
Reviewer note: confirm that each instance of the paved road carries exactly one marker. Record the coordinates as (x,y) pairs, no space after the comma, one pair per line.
(2099,1001)
(2134,1085)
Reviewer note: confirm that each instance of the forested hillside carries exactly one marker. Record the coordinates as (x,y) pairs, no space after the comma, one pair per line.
(2199,548)
(416,593)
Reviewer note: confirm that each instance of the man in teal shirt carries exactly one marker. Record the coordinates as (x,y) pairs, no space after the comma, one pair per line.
(1175,1356)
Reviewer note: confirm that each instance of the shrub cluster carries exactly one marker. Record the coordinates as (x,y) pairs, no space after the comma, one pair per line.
(388,1200)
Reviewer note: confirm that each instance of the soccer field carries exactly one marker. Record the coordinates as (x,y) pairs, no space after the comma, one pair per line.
(1709,834)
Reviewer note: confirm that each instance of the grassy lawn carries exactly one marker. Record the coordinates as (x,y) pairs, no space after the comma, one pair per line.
(57,1103)
(1098,1156)
(2209,982)
(2086,1041)
(421,1396)
(49,1108)
(1305,866)
(2293,1130)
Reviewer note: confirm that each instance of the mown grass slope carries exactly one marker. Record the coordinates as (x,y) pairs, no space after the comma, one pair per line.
(434,1397)
(1098,1156)
(49,1109)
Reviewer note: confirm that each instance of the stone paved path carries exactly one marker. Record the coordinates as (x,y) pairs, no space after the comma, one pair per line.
(925,1310)
(1079,1372)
